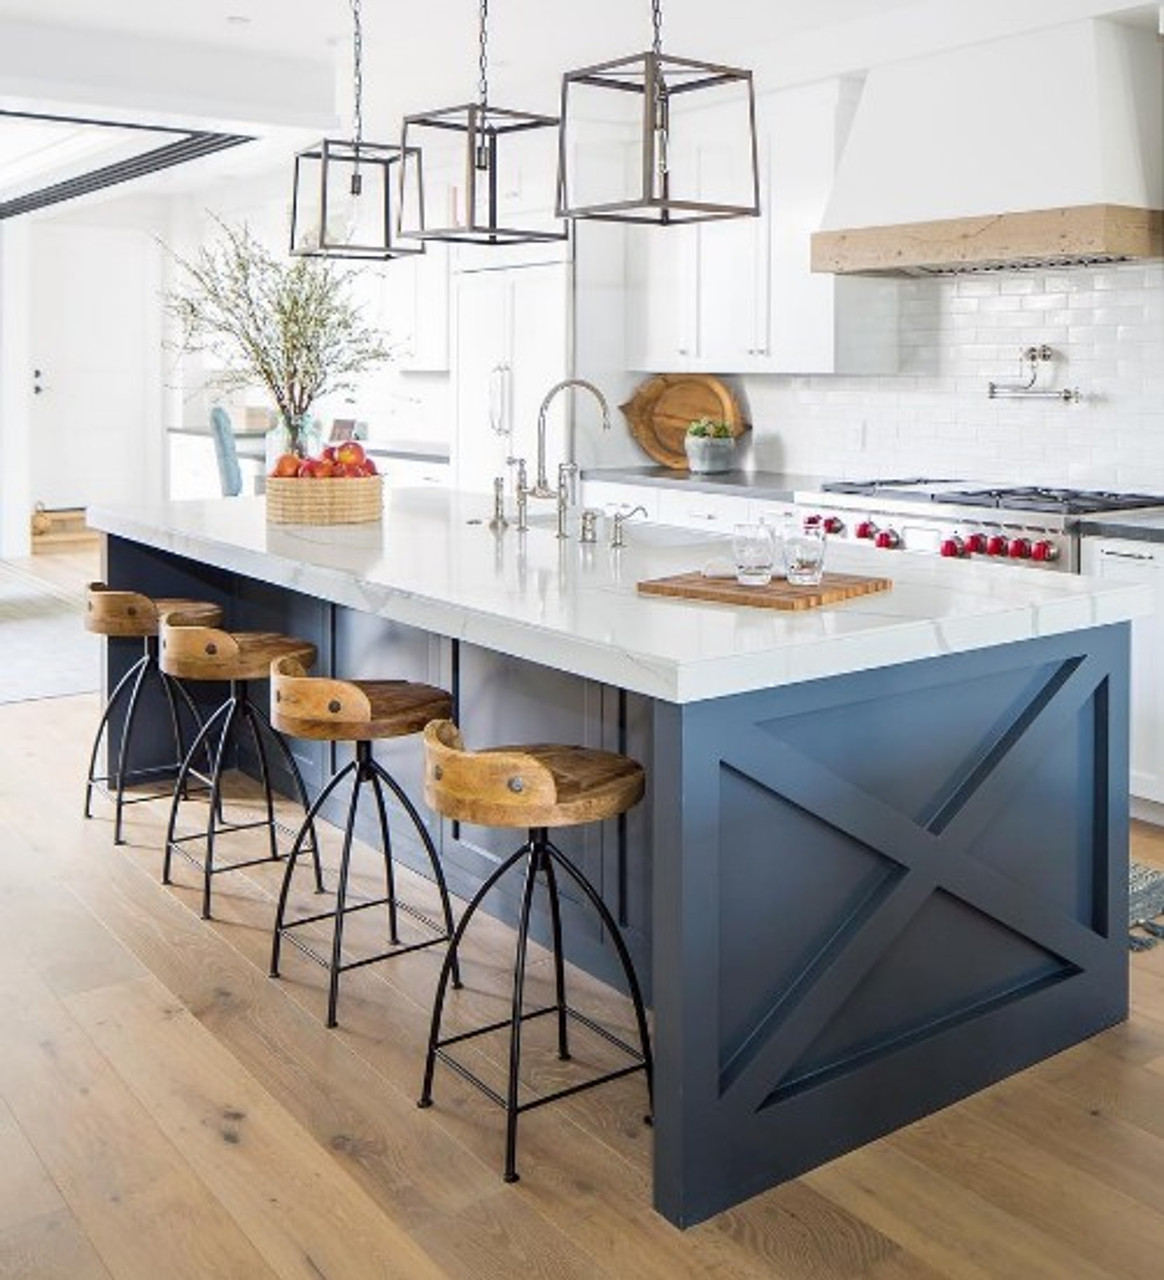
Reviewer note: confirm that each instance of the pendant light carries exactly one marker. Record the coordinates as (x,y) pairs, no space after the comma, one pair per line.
(657,139)
(342,204)
(463,169)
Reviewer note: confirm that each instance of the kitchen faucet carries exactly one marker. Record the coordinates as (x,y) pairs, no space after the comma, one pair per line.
(541,487)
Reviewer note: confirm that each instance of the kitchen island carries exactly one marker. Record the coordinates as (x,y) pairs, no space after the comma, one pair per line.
(883,858)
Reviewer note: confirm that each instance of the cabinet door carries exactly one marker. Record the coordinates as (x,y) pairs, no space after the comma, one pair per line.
(734,263)
(1140,562)
(512,345)
(612,498)
(482,348)
(717,512)
(416,310)
(662,271)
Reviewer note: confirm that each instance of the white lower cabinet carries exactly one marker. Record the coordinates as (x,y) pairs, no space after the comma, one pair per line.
(1134,561)
(612,498)
(717,512)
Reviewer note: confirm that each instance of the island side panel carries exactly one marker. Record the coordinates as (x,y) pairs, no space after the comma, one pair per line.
(877,894)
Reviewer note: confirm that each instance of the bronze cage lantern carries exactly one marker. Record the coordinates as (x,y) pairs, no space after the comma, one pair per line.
(342,197)
(467,170)
(658,139)
(343,203)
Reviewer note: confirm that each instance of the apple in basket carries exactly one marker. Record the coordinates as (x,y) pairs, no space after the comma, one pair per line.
(286,465)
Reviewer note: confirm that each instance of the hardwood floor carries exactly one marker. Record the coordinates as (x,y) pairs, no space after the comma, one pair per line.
(166,1109)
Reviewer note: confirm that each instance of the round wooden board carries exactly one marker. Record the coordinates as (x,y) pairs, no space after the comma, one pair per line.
(661,409)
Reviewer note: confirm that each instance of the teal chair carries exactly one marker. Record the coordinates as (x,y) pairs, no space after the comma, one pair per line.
(226,451)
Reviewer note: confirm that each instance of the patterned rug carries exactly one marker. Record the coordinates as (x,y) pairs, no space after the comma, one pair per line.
(47,651)
(1145,906)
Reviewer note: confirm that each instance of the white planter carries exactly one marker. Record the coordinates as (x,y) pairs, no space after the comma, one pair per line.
(709,454)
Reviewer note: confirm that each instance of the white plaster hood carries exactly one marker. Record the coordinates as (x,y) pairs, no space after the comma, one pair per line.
(1041,148)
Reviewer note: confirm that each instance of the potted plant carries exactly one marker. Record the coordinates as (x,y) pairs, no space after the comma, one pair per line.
(288,325)
(710,446)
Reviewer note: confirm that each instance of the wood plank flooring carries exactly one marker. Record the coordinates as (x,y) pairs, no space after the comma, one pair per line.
(166,1109)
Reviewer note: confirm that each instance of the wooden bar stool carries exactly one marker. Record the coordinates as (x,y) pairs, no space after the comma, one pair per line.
(130,615)
(362,712)
(191,651)
(535,787)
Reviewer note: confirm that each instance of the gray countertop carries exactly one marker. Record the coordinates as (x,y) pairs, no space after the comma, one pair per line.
(1143,527)
(780,486)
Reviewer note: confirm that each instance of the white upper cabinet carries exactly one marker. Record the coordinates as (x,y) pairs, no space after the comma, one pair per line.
(739,295)
(416,309)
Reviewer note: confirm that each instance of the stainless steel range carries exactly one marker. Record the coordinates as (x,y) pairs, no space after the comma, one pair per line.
(1027,525)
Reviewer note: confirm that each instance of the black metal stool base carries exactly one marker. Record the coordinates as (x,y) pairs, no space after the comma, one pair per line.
(540,857)
(120,776)
(366,771)
(235,714)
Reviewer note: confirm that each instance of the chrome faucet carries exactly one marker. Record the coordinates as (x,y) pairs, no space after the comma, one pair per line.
(541,487)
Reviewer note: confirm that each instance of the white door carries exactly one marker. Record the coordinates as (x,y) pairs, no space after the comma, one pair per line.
(94,343)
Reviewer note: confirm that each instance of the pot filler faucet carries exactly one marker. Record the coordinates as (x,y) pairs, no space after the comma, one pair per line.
(541,487)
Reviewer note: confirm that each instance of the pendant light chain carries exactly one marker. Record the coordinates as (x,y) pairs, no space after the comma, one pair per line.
(657,24)
(483,57)
(357,76)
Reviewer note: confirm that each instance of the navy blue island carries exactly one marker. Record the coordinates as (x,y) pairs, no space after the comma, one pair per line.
(883,859)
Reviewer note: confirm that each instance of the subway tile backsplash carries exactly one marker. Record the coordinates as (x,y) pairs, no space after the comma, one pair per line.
(1106,325)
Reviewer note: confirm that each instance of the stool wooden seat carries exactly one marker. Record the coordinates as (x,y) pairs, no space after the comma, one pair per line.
(359,711)
(193,651)
(119,614)
(535,787)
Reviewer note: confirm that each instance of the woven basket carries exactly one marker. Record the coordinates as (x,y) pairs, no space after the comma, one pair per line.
(347,500)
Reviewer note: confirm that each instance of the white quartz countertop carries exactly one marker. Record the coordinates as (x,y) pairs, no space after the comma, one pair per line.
(433,563)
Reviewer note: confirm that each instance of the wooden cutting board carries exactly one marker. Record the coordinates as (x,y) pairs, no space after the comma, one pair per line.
(778,594)
(663,407)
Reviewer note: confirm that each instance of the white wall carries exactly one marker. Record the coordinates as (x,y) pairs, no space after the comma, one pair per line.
(958,334)
(15,367)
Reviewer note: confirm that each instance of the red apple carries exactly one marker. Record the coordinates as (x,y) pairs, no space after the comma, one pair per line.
(307,468)
(328,452)
(324,468)
(350,451)
(370,467)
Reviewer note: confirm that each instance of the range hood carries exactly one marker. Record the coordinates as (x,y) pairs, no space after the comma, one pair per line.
(1042,149)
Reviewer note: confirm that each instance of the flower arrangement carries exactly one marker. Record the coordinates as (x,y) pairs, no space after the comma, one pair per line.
(290,326)
(710,429)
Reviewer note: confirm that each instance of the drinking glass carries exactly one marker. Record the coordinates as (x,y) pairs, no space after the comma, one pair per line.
(804,553)
(755,553)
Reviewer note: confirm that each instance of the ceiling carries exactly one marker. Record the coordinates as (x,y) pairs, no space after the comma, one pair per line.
(304,28)
(419,57)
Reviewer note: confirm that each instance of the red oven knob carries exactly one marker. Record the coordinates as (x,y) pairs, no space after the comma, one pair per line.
(975,544)
(834,524)
(1045,550)
(887,538)
(996,545)
(866,529)
(952,547)
(1019,549)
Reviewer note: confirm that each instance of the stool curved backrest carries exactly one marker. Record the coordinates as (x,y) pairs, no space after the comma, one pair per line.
(110,612)
(492,788)
(297,696)
(195,648)
(226,452)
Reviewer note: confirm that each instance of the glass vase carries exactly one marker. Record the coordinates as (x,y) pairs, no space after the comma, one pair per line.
(300,435)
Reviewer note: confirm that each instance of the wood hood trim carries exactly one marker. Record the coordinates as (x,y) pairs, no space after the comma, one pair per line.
(1083,234)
